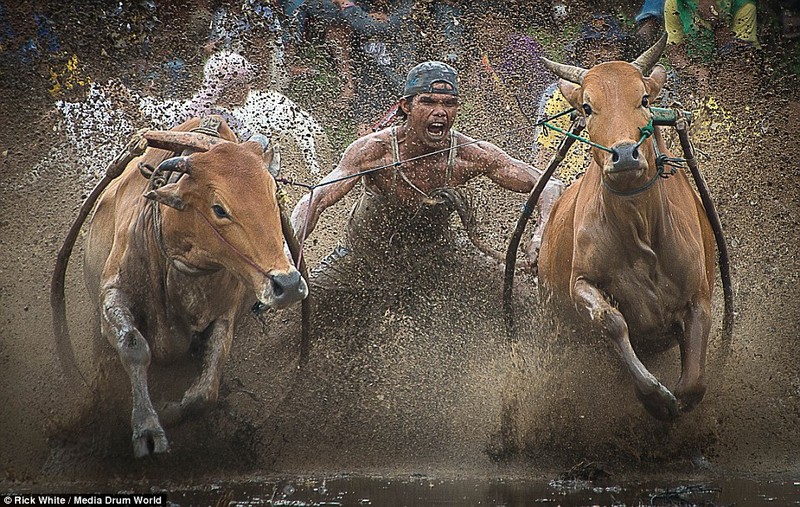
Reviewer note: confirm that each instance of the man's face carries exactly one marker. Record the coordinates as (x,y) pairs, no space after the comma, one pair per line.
(431,116)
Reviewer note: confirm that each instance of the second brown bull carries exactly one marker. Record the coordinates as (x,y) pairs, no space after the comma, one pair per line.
(628,252)
(167,261)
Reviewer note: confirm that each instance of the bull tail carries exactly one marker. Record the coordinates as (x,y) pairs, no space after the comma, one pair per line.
(64,351)
(716,225)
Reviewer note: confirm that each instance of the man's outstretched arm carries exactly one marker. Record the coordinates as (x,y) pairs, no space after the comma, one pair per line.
(514,174)
(358,156)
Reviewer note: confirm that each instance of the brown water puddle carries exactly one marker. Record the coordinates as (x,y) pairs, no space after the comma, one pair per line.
(425,491)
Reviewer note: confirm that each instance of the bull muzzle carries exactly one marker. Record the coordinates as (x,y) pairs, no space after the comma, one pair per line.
(626,157)
(284,289)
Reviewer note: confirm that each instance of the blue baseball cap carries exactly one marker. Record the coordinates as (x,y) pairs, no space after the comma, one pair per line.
(422,77)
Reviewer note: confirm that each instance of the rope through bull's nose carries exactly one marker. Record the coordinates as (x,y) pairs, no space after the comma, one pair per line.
(646,131)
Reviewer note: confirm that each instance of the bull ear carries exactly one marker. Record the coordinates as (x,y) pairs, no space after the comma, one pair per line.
(167,195)
(271,150)
(262,140)
(656,80)
(571,92)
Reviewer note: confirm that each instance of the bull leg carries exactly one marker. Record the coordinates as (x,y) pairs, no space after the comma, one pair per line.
(656,398)
(203,394)
(119,327)
(691,386)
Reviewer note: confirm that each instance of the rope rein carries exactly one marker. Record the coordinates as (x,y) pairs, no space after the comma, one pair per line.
(230,245)
(646,132)
(412,159)
(662,159)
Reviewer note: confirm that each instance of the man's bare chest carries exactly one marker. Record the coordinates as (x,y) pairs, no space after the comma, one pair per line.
(416,178)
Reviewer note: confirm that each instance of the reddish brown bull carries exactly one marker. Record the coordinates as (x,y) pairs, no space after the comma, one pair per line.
(632,253)
(166,262)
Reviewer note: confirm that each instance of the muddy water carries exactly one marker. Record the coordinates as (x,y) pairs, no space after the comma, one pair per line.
(421,490)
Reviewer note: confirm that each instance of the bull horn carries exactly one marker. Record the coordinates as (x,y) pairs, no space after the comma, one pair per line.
(176,164)
(275,164)
(177,141)
(650,57)
(568,72)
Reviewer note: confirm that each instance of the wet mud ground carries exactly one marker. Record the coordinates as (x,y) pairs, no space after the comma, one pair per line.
(407,385)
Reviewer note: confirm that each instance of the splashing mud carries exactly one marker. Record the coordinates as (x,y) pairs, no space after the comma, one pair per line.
(413,377)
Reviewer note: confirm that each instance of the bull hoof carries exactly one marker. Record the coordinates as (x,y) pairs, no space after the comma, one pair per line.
(149,439)
(661,403)
(172,413)
(690,397)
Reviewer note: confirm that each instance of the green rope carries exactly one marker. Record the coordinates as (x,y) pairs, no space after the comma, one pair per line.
(577,137)
(646,131)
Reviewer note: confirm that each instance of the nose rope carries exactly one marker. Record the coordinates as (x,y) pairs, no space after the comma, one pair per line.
(412,159)
(646,132)
(577,137)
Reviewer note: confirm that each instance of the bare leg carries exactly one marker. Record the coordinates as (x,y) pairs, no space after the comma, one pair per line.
(203,394)
(691,386)
(656,398)
(119,328)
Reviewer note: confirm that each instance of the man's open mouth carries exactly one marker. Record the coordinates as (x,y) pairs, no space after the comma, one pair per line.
(436,130)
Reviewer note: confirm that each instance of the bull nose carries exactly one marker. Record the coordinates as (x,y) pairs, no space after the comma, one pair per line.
(288,287)
(625,157)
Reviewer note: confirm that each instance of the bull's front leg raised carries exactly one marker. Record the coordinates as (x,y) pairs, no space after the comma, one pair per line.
(656,398)
(119,327)
(691,386)
(203,394)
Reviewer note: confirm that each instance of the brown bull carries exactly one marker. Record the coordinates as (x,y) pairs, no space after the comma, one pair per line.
(630,251)
(166,263)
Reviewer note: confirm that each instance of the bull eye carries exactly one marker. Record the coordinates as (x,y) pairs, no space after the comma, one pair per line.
(587,109)
(219,211)
(645,100)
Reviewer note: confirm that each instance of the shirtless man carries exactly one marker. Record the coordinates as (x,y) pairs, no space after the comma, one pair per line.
(402,212)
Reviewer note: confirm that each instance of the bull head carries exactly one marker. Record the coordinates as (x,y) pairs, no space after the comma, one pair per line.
(615,120)
(179,141)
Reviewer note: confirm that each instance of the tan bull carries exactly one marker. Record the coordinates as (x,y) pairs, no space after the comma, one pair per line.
(168,262)
(631,252)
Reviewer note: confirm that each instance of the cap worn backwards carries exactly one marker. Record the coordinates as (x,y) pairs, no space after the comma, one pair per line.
(421,79)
